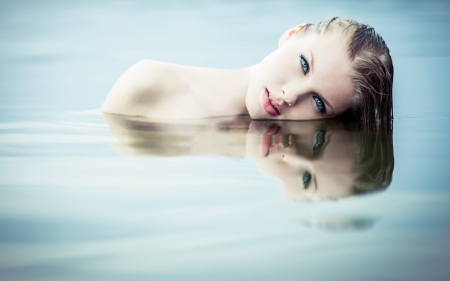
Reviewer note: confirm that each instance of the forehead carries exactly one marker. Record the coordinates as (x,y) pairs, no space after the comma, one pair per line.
(331,68)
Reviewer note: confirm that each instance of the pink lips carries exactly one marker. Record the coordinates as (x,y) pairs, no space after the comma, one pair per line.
(268,107)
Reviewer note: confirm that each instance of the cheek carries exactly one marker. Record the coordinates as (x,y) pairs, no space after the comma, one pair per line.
(344,103)
(292,194)
(273,64)
(303,110)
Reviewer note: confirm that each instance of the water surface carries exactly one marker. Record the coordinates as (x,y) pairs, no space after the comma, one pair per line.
(86,197)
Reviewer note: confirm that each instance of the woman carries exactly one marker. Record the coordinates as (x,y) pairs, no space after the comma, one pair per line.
(321,70)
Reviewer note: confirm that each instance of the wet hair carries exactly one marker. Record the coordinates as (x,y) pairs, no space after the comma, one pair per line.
(372,69)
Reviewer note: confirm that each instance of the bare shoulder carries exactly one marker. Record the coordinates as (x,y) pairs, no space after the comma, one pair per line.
(148,69)
(140,85)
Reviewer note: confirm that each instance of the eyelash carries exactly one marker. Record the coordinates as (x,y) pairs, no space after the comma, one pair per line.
(304,64)
(320,105)
(306,179)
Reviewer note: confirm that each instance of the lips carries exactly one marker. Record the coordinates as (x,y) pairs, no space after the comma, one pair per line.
(270,106)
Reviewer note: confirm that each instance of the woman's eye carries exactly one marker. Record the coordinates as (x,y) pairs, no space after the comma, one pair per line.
(306,179)
(320,104)
(304,64)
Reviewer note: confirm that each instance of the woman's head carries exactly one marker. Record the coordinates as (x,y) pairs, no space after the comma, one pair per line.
(323,159)
(372,71)
(323,70)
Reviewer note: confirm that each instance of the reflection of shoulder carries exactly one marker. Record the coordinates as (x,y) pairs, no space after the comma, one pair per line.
(142,84)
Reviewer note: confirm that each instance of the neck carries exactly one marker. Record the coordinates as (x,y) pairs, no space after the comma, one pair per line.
(221,92)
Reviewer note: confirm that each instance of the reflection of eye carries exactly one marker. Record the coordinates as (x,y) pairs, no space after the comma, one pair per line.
(304,64)
(320,140)
(306,179)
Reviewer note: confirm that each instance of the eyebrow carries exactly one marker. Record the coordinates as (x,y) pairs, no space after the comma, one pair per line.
(329,104)
(312,60)
(315,183)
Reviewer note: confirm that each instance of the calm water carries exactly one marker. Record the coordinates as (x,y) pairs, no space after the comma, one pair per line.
(86,196)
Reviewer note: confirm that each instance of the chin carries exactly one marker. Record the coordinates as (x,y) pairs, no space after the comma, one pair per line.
(256,114)
(252,109)
(252,114)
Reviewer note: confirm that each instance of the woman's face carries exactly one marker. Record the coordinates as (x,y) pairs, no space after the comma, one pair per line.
(309,161)
(306,78)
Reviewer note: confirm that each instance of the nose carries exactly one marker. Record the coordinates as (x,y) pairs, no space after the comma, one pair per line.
(295,92)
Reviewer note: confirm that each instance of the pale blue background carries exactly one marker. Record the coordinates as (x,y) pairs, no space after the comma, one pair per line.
(73,208)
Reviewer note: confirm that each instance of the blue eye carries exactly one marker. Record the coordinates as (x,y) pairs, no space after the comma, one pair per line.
(304,64)
(320,105)
(320,141)
(306,179)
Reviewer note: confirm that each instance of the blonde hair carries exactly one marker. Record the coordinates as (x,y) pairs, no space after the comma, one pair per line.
(372,69)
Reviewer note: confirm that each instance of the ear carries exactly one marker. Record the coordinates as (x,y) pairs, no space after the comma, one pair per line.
(288,34)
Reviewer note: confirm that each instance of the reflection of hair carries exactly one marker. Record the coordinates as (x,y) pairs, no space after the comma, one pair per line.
(374,158)
(372,73)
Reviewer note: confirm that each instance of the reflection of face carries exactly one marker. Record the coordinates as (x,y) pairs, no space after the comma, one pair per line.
(310,72)
(311,163)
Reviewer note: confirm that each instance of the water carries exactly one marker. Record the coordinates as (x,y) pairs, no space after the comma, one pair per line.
(92,197)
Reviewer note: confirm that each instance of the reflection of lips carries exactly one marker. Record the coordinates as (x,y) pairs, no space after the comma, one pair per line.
(267,139)
(273,109)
